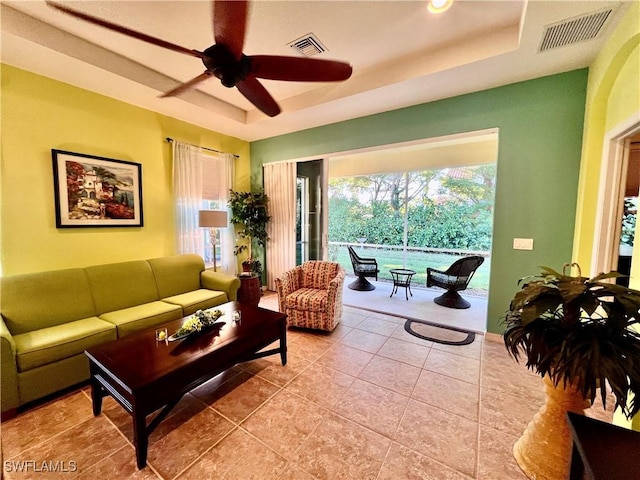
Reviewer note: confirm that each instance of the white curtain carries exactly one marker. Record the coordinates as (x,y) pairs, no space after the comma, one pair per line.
(200,178)
(227,235)
(280,187)
(187,191)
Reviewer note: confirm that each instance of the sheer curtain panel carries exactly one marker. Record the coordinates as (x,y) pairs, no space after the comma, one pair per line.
(201,181)
(218,179)
(280,187)
(187,191)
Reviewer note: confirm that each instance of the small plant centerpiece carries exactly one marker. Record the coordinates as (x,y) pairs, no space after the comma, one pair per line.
(580,335)
(249,210)
(197,322)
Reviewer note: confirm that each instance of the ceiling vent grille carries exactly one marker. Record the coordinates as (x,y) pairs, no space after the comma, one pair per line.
(574,30)
(308,45)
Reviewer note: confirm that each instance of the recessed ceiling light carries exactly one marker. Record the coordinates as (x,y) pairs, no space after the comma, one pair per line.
(439,6)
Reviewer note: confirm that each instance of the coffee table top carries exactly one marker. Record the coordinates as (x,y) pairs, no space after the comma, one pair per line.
(138,360)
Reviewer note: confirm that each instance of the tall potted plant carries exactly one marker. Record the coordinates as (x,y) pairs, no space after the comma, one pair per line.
(580,335)
(249,211)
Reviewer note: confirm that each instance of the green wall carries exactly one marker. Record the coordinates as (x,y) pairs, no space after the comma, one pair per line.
(39,114)
(540,135)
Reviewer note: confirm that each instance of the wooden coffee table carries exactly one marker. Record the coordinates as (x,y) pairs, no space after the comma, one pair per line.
(144,375)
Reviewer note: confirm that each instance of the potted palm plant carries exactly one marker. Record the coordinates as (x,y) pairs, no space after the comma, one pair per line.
(249,211)
(581,336)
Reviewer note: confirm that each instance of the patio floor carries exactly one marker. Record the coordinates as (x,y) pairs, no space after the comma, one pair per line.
(419,306)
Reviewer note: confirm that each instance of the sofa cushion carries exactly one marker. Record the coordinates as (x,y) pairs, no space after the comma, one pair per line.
(309,299)
(39,300)
(132,319)
(117,286)
(51,344)
(197,300)
(177,274)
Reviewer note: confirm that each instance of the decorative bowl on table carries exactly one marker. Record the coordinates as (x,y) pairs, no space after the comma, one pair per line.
(196,323)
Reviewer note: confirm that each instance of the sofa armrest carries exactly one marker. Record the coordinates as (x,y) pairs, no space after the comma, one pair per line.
(8,369)
(221,282)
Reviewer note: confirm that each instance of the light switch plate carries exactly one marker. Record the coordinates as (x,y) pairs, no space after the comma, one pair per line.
(523,243)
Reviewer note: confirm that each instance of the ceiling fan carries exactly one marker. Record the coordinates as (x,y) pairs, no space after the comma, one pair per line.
(225,60)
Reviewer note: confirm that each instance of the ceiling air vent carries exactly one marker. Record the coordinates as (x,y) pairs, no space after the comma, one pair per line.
(574,30)
(308,45)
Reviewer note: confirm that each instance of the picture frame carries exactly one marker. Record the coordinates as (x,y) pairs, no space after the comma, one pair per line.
(93,191)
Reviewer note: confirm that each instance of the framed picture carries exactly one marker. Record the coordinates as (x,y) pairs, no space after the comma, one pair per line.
(94,191)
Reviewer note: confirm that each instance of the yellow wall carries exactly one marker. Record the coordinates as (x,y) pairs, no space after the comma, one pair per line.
(39,114)
(613,97)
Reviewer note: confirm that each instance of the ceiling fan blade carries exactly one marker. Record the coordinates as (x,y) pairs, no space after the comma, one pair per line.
(253,90)
(295,69)
(230,24)
(187,85)
(124,30)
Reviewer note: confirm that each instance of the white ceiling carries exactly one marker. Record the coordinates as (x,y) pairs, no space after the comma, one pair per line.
(401,54)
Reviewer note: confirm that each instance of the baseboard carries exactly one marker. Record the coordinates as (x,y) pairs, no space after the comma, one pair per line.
(493,337)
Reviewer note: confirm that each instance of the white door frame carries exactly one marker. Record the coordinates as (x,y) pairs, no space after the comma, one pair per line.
(613,172)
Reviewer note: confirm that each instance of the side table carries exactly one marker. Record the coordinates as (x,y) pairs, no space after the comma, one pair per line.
(249,291)
(402,278)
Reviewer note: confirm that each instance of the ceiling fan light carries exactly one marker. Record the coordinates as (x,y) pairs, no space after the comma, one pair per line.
(439,6)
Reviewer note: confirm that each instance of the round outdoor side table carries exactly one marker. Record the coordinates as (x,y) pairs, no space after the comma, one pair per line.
(402,278)
(249,291)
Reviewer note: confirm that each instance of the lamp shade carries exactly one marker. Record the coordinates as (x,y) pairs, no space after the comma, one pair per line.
(212,218)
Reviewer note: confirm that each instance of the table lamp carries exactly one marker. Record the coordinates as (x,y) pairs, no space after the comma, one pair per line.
(212,219)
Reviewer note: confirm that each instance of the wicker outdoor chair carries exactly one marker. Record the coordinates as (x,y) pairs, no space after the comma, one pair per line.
(362,268)
(455,279)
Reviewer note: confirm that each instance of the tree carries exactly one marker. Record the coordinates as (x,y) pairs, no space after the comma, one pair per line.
(250,211)
(373,207)
(474,185)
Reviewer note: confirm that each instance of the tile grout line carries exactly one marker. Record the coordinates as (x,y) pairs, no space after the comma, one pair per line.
(477,463)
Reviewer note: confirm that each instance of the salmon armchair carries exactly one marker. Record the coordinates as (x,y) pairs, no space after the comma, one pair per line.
(311,295)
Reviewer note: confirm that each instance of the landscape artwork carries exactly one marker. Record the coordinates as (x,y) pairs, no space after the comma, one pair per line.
(94,191)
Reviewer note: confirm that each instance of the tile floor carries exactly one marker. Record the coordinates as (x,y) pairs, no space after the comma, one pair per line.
(368,401)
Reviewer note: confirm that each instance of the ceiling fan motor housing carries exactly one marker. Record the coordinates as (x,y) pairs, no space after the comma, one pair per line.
(223,65)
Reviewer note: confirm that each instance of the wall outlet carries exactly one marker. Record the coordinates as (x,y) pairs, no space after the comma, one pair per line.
(523,243)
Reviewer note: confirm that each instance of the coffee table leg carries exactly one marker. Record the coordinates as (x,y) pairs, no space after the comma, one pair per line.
(97,393)
(140,439)
(96,397)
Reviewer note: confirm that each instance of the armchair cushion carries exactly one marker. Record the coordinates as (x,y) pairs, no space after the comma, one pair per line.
(444,280)
(310,299)
(319,274)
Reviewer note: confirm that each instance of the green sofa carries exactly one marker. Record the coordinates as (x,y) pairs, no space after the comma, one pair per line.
(48,319)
